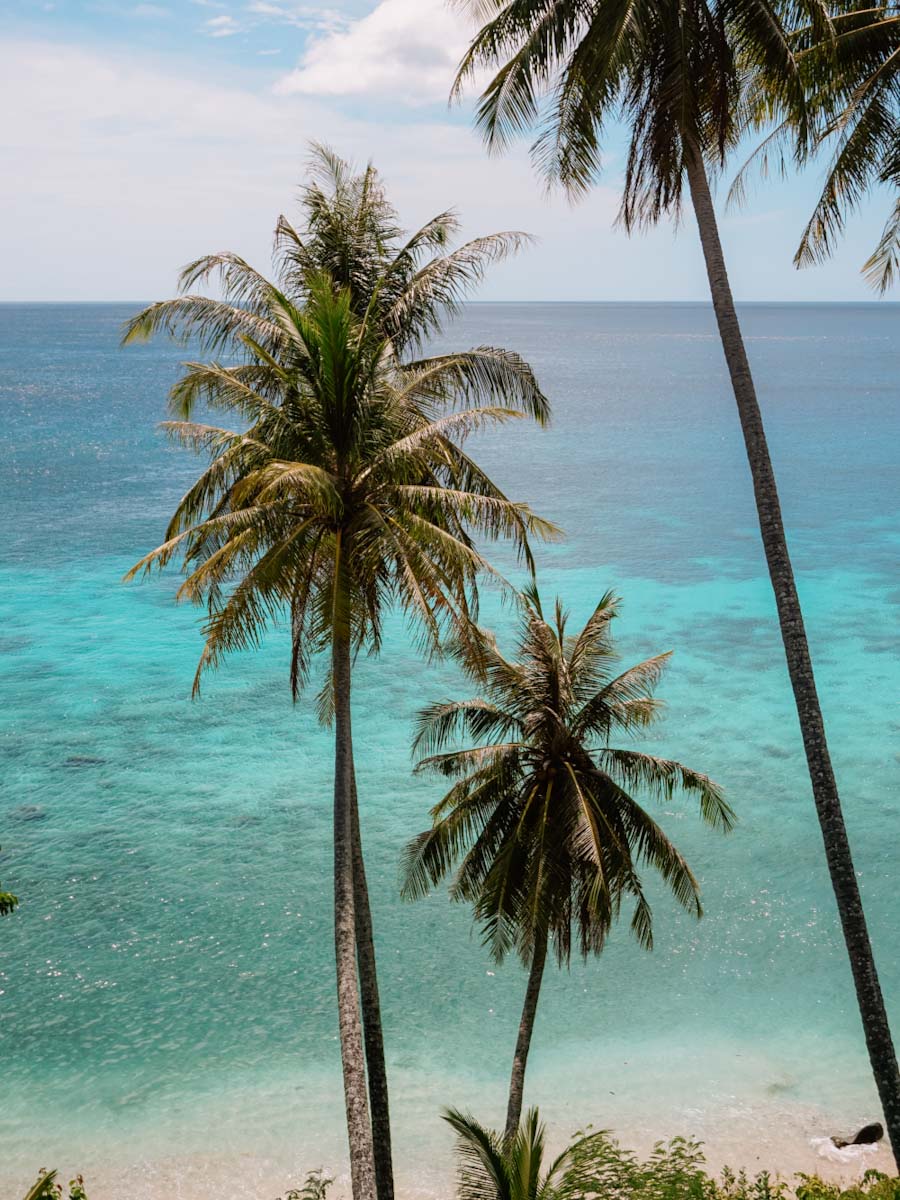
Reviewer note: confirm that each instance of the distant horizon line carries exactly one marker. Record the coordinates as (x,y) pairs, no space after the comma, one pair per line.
(874,302)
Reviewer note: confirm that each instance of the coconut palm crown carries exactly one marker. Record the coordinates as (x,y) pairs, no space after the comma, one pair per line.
(542,820)
(674,73)
(343,487)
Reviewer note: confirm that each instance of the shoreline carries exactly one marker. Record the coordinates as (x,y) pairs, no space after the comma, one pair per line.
(265,1141)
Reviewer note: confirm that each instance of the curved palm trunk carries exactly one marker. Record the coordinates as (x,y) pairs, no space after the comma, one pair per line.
(371,1012)
(796,648)
(523,1042)
(359,1129)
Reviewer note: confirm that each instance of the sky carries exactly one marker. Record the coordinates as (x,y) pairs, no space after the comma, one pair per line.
(136,136)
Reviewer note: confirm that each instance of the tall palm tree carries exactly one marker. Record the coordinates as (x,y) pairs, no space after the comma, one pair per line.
(345,490)
(408,284)
(542,815)
(675,72)
(491,1168)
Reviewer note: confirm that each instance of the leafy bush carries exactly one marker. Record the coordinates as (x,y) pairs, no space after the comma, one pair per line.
(315,1187)
(595,1167)
(47,1188)
(874,1185)
(675,1170)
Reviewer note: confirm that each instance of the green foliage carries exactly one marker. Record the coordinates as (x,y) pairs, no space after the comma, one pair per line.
(874,1185)
(315,1187)
(674,1171)
(696,76)
(854,82)
(489,1168)
(343,487)
(741,1186)
(47,1187)
(542,819)
(8,902)
(676,75)
(595,1165)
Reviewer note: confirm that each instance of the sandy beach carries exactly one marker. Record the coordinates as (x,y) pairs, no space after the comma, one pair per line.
(776,1140)
(256,1143)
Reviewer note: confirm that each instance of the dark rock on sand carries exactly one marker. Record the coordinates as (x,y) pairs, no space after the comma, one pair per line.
(868,1135)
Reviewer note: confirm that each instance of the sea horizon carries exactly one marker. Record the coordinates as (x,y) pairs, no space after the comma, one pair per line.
(881,302)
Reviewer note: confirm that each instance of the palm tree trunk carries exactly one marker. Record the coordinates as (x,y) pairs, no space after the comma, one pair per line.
(359,1129)
(523,1042)
(796,648)
(371,1012)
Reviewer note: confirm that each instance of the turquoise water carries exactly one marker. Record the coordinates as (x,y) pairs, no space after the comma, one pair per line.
(166,988)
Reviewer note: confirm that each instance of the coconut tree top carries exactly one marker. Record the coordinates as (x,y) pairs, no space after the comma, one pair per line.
(674,74)
(543,827)
(343,486)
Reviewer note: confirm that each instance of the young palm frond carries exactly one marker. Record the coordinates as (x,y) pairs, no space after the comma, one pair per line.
(493,1168)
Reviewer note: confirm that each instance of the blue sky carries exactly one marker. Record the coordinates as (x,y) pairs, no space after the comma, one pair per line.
(137,135)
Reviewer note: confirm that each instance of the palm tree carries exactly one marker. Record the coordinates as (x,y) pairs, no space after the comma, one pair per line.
(409,285)
(542,815)
(346,491)
(676,73)
(491,1168)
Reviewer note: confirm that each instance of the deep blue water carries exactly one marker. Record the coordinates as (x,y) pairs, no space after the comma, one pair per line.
(166,988)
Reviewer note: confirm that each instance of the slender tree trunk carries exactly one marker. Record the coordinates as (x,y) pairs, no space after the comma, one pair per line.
(371,1012)
(796,648)
(359,1129)
(523,1042)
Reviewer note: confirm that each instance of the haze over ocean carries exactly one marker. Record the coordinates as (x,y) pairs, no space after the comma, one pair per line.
(166,990)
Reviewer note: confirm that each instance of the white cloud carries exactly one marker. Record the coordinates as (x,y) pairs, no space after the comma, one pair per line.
(180,164)
(301,16)
(403,49)
(223,26)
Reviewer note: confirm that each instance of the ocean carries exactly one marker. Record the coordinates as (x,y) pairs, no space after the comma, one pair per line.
(167,1018)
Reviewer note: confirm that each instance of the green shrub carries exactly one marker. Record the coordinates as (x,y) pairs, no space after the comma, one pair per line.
(874,1185)
(676,1170)
(47,1188)
(315,1187)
